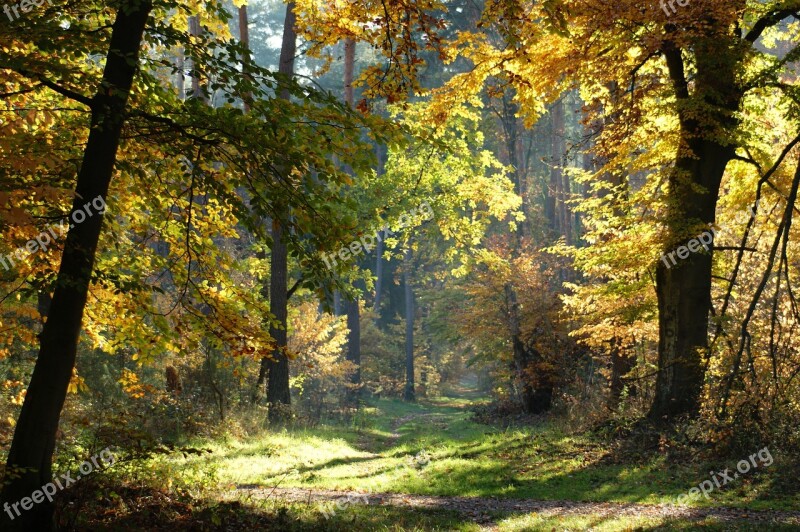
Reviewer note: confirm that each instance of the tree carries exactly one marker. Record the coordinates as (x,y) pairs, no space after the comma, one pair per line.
(32,448)
(278,374)
(410,392)
(695,66)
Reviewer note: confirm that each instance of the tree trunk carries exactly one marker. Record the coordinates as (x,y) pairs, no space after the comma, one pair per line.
(684,289)
(35,434)
(410,394)
(354,349)
(353,309)
(382,156)
(244,38)
(554,207)
(278,373)
(197,89)
(621,365)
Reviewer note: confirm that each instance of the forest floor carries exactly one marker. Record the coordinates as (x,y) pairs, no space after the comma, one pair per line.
(430,466)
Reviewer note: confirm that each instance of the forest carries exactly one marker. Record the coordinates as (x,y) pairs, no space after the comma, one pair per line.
(475,265)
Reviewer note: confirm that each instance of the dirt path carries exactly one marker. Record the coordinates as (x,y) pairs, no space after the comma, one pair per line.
(479,509)
(487,511)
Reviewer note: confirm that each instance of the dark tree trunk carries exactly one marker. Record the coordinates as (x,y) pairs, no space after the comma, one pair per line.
(535,399)
(35,434)
(354,349)
(378,276)
(278,373)
(278,367)
(684,289)
(621,365)
(353,309)
(410,394)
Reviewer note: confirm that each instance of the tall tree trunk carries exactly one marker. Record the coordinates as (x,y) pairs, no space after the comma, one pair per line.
(35,434)
(553,207)
(533,400)
(278,372)
(244,38)
(278,379)
(684,289)
(353,308)
(684,292)
(410,394)
(382,156)
(354,349)
(196,30)
(557,175)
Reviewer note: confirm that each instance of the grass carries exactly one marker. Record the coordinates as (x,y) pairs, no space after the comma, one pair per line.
(463,458)
(435,448)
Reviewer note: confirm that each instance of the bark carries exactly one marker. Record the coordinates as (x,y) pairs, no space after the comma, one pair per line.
(536,398)
(244,38)
(278,373)
(380,246)
(35,434)
(684,290)
(410,394)
(621,365)
(197,89)
(553,207)
(558,178)
(533,399)
(353,308)
(354,349)
(378,276)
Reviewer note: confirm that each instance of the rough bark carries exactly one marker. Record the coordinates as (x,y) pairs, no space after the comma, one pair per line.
(278,367)
(684,290)
(35,434)
(278,373)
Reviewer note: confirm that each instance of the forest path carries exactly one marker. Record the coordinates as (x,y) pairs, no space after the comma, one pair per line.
(432,456)
(485,510)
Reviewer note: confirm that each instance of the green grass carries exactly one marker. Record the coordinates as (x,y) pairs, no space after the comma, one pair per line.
(433,448)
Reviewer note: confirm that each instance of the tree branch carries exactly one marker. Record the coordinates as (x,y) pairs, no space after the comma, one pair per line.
(772,18)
